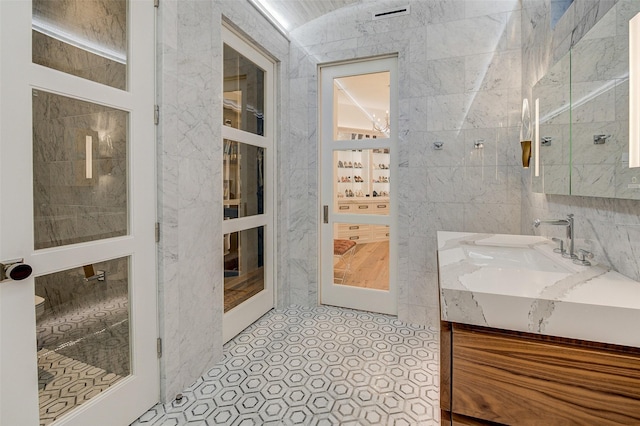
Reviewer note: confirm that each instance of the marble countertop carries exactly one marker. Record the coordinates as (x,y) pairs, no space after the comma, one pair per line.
(517,282)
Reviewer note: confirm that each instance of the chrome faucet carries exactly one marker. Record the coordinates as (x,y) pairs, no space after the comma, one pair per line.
(568,222)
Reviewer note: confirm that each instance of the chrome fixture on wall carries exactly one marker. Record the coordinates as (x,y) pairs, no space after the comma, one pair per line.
(600,139)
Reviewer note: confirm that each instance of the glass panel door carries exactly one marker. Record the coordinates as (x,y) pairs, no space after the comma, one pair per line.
(248,167)
(358,136)
(77,336)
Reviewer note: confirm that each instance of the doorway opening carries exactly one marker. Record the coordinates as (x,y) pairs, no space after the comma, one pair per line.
(248,167)
(358,148)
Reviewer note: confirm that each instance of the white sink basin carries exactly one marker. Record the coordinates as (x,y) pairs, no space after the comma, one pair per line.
(517,282)
(511,258)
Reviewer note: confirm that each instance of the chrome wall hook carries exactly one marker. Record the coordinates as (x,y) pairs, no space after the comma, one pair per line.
(479,144)
(438,145)
(600,139)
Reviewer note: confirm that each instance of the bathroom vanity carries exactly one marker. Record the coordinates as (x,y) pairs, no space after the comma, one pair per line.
(530,338)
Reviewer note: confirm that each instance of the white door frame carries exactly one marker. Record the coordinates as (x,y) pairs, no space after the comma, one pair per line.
(243,315)
(131,396)
(337,294)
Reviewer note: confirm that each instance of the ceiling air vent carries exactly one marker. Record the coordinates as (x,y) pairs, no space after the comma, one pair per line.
(390,13)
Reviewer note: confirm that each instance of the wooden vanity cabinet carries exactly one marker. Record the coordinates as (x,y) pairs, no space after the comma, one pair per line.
(491,376)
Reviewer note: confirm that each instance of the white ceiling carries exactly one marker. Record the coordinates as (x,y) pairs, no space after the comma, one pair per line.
(294,13)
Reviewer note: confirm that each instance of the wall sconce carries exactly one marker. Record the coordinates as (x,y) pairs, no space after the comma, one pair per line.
(86,150)
(526,153)
(88,162)
(525,133)
(634,91)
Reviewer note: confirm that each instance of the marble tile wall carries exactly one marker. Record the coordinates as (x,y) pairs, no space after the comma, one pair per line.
(69,207)
(190,178)
(610,228)
(459,81)
(101,23)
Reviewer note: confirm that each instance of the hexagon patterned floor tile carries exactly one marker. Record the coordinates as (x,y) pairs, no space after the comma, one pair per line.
(315,366)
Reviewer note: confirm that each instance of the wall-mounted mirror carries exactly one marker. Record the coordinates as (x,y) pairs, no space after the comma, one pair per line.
(587,153)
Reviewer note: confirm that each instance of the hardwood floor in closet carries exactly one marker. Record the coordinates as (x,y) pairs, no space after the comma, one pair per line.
(370,266)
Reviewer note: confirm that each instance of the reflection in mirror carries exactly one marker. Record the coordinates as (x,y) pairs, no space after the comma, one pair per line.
(361,255)
(361,181)
(86,38)
(82,326)
(587,155)
(79,170)
(600,108)
(553,92)
(243,101)
(243,266)
(362,106)
(243,180)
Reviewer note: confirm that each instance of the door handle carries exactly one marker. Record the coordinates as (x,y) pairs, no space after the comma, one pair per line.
(325,214)
(14,269)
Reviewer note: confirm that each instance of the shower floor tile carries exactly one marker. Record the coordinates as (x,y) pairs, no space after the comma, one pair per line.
(316,366)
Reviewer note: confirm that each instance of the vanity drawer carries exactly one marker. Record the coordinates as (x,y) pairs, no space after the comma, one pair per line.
(512,379)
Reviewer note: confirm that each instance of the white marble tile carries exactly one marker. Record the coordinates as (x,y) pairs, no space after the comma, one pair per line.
(445,184)
(462,37)
(494,70)
(447,112)
(497,218)
(475,8)
(584,151)
(452,152)
(195,185)
(485,184)
(443,76)
(486,109)
(495,147)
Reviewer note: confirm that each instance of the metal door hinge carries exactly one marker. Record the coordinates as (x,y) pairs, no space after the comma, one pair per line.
(156,114)
(159,347)
(157,232)
(156,3)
